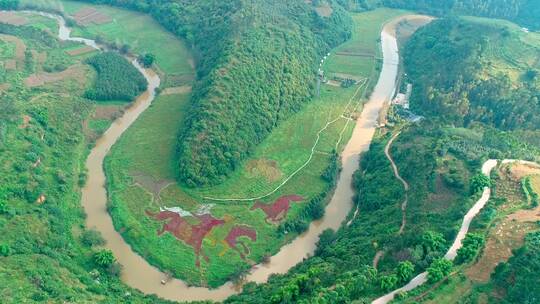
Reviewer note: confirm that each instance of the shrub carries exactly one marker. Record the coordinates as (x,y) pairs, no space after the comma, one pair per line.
(92,238)
(5,250)
(147,60)
(405,271)
(388,282)
(104,258)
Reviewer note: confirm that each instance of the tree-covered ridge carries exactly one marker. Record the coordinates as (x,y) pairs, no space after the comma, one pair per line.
(465,71)
(266,77)
(117,79)
(256,64)
(524,12)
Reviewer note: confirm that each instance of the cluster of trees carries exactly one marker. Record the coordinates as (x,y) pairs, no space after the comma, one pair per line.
(471,246)
(256,64)
(461,93)
(479,182)
(313,210)
(147,60)
(376,188)
(117,78)
(402,275)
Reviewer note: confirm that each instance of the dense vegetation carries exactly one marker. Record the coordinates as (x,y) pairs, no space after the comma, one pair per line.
(342,270)
(518,277)
(439,161)
(257,61)
(483,87)
(45,254)
(117,78)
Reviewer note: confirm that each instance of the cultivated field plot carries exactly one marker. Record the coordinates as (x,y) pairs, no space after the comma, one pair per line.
(12,18)
(142,182)
(90,15)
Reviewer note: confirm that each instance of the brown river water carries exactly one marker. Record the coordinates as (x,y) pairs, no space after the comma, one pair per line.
(139,274)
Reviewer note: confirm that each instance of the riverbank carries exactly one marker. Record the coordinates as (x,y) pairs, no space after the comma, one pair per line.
(140,182)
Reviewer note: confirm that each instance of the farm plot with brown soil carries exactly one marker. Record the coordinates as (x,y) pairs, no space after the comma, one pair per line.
(80,51)
(12,18)
(88,15)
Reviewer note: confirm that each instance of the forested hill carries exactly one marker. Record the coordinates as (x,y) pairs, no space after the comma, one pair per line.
(257,63)
(266,73)
(523,12)
(496,81)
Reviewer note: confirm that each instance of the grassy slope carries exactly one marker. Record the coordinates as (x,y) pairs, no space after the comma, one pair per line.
(289,146)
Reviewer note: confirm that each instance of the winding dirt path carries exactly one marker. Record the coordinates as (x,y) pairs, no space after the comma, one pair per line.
(403,181)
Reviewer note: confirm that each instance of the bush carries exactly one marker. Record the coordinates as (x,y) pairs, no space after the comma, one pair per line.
(388,282)
(92,238)
(405,271)
(104,258)
(5,250)
(147,60)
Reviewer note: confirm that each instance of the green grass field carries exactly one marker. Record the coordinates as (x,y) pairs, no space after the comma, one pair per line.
(139,31)
(279,155)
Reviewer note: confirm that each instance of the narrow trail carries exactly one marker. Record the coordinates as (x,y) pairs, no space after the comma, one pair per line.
(313,148)
(403,181)
(377,258)
(387,148)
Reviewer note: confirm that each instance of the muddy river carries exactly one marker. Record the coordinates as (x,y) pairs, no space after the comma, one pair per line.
(139,274)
